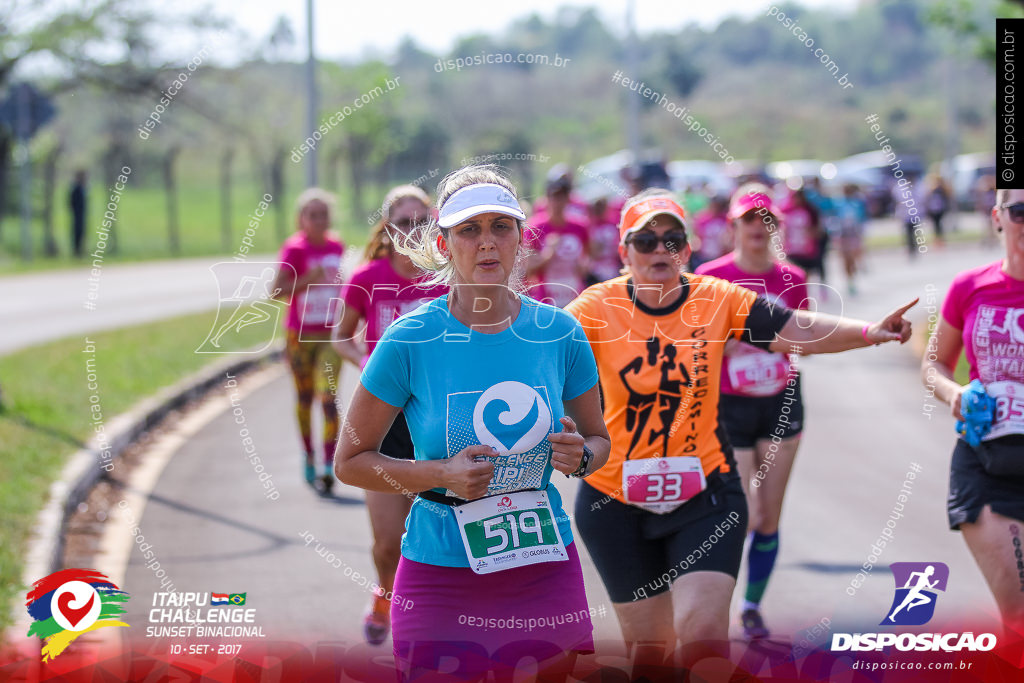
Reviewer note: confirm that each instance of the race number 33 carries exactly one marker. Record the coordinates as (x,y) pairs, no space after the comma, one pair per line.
(508,531)
(662,484)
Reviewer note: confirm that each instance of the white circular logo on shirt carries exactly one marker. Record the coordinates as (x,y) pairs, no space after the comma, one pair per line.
(511,417)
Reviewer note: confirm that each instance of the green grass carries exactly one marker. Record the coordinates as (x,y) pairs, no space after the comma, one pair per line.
(141,225)
(46,412)
(963,371)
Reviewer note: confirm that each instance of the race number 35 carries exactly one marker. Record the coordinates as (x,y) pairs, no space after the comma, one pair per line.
(1009,409)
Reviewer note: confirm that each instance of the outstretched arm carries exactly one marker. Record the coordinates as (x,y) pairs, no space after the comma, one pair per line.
(807,332)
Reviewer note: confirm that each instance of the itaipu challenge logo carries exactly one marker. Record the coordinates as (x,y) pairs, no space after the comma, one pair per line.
(68,603)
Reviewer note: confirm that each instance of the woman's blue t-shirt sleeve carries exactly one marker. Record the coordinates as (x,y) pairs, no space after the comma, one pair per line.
(386,374)
(581,368)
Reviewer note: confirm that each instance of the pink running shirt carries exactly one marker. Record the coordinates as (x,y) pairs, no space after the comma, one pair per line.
(315,309)
(381,296)
(751,371)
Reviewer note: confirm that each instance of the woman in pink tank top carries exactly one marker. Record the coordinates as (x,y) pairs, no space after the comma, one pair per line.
(983,316)
(309,278)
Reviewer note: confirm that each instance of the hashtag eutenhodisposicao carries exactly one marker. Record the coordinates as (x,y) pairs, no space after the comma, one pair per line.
(682,113)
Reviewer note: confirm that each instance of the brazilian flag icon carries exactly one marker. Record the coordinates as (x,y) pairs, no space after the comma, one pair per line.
(237,598)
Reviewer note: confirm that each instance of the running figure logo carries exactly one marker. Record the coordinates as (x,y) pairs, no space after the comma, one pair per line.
(244,300)
(666,397)
(916,583)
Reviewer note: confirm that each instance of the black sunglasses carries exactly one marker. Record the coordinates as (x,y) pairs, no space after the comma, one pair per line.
(1016,211)
(646,242)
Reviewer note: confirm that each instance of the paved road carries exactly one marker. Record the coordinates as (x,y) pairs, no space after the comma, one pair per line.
(212,529)
(41,307)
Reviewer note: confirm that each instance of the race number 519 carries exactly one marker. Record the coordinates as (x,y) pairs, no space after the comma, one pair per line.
(511,531)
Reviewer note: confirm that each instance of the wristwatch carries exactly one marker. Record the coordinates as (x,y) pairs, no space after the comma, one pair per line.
(581,471)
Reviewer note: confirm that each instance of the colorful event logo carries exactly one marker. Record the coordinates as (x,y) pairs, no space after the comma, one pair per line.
(916,583)
(71,602)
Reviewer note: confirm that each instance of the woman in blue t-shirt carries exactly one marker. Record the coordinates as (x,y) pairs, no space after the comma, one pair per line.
(498,390)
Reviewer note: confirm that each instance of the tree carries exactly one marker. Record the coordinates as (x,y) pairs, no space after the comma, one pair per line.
(281,42)
(371,132)
(81,38)
(970,22)
(411,57)
(50,158)
(426,148)
(171,192)
(54,29)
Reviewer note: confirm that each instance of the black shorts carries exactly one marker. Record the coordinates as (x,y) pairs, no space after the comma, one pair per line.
(748,419)
(971,488)
(639,553)
(397,442)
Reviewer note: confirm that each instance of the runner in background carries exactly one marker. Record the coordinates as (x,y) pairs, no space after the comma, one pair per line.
(382,289)
(983,316)
(714,235)
(984,195)
(803,232)
(824,208)
(938,201)
(696,198)
(577,208)
(603,236)
(852,214)
(491,418)
(904,199)
(665,520)
(310,280)
(560,243)
(761,405)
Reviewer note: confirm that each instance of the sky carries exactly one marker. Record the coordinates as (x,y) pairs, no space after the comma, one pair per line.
(349,29)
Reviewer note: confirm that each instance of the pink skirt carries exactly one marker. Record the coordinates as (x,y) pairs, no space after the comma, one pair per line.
(458,623)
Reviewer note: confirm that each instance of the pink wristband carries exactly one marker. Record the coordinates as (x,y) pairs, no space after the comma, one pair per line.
(864,334)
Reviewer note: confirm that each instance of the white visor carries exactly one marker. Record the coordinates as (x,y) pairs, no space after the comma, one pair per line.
(474,200)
